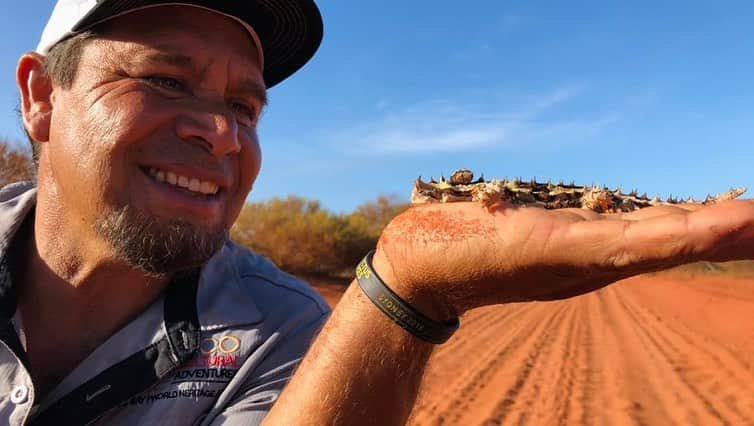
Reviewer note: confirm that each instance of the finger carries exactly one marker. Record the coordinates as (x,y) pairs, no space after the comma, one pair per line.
(673,208)
(660,210)
(718,232)
(638,214)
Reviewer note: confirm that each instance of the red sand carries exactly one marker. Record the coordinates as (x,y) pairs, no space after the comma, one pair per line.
(651,350)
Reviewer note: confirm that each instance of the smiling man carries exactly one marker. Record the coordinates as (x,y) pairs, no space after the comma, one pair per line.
(122,300)
(144,118)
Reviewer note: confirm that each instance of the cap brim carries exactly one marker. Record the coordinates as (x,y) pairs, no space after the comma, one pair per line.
(290,31)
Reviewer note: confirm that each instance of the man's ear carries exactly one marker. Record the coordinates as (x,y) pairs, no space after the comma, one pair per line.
(36,96)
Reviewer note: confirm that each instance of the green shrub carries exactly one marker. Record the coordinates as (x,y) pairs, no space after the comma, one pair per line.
(15,164)
(302,237)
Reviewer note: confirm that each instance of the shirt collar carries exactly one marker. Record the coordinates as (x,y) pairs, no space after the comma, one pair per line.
(16,201)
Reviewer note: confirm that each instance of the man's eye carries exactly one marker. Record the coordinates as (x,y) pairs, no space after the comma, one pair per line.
(167,83)
(247,115)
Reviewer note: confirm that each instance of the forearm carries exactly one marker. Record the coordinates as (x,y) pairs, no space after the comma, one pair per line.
(362,368)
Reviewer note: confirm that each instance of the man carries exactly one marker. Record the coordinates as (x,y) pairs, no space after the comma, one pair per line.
(123,302)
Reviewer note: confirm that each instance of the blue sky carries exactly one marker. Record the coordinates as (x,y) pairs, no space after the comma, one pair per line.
(658,97)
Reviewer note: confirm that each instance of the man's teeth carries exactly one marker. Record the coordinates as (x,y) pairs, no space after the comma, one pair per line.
(191,184)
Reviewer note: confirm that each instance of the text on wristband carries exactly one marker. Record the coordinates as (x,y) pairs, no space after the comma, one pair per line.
(362,271)
(390,306)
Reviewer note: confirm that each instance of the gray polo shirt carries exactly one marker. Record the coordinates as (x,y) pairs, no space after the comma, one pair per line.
(216,348)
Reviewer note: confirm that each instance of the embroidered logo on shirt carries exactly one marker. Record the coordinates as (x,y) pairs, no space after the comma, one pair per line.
(215,365)
(225,345)
(217,361)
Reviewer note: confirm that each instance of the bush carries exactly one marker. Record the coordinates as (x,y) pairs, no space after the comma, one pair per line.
(15,164)
(302,237)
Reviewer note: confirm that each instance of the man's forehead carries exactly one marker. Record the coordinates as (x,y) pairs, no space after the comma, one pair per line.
(177,55)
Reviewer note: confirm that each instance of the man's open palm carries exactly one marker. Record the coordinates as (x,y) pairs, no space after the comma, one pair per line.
(467,256)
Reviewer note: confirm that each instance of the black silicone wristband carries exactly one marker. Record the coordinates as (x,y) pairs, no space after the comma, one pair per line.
(399,311)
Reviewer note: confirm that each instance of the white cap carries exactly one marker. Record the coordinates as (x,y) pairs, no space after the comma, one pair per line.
(70,17)
(286,33)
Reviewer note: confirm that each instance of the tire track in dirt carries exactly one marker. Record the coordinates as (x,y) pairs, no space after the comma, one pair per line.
(480,341)
(566,381)
(706,412)
(536,391)
(672,394)
(618,398)
(536,349)
(731,370)
(644,352)
(544,398)
(725,361)
(696,365)
(711,307)
(672,355)
(532,326)
(719,350)
(624,398)
(588,365)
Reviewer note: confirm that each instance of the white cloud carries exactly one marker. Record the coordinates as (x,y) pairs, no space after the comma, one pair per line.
(451,126)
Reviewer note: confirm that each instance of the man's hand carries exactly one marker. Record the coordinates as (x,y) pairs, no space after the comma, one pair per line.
(445,259)
(449,258)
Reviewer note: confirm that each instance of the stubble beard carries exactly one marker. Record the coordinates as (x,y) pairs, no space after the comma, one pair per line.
(158,246)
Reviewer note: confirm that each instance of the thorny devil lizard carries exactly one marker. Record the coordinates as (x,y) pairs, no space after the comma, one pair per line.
(462,187)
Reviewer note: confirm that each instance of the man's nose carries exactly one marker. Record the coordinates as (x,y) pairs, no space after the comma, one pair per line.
(215,128)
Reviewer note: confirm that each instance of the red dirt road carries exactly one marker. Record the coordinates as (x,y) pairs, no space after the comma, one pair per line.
(655,350)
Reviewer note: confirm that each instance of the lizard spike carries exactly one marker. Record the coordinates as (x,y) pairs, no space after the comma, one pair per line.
(432,180)
(633,193)
(643,196)
(442,177)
